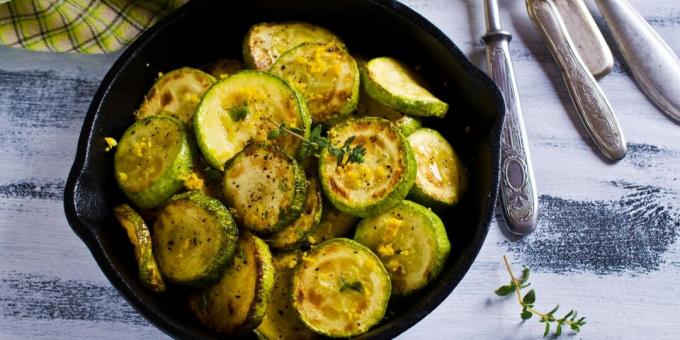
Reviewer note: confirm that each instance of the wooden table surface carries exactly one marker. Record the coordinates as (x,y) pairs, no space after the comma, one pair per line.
(607,241)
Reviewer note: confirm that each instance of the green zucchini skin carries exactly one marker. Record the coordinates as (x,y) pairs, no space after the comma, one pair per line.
(342,184)
(281,321)
(139,236)
(394,237)
(420,103)
(326,75)
(265,42)
(343,275)
(408,125)
(244,108)
(447,186)
(135,154)
(298,231)
(176,94)
(259,211)
(238,302)
(194,239)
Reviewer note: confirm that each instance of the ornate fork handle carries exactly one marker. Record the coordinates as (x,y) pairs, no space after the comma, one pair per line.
(591,104)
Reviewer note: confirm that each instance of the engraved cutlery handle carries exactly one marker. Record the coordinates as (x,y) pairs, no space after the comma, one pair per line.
(653,63)
(591,104)
(518,194)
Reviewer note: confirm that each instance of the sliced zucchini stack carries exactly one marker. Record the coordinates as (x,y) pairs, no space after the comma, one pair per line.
(340,288)
(152,158)
(325,74)
(194,239)
(139,236)
(391,83)
(378,183)
(177,93)
(265,189)
(244,108)
(281,322)
(334,223)
(265,42)
(238,302)
(411,242)
(441,179)
(296,233)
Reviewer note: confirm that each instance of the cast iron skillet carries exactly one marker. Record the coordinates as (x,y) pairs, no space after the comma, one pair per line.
(203,31)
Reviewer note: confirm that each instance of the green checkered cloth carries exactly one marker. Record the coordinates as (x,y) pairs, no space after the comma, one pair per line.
(81,26)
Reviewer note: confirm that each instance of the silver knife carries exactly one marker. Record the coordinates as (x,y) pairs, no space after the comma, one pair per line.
(654,64)
(519,198)
(590,102)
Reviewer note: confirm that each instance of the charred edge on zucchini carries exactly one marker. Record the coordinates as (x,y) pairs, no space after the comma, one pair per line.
(176,93)
(326,75)
(381,181)
(412,243)
(139,236)
(194,239)
(151,160)
(265,188)
(238,302)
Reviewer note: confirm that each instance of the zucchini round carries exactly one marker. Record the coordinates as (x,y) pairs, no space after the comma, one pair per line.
(369,107)
(340,288)
(266,41)
(194,239)
(297,232)
(407,125)
(440,179)
(384,177)
(395,86)
(411,242)
(281,322)
(139,236)
(265,188)
(238,302)
(325,74)
(244,108)
(334,223)
(151,160)
(176,93)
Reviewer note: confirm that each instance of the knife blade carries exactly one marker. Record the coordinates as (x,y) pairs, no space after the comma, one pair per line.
(519,199)
(590,102)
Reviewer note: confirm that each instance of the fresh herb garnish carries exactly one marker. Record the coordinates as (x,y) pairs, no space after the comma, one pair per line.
(527,302)
(316,143)
(355,286)
(238,113)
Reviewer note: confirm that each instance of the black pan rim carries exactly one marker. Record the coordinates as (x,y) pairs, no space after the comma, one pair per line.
(399,325)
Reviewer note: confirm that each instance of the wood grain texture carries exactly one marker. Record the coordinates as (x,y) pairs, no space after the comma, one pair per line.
(606,244)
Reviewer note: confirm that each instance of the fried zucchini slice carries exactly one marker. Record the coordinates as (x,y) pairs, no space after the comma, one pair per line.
(244,108)
(440,179)
(334,223)
(194,239)
(297,232)
(223,68)
(384,177)
(238,302)
(139,236)
(265,189)
(281,322)
(326,75)
(340,288)
(265,42)
(411,242)
(395,86)
(176,94)
(151,160)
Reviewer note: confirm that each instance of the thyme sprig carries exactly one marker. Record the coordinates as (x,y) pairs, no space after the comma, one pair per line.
(316,143)
(529,299)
